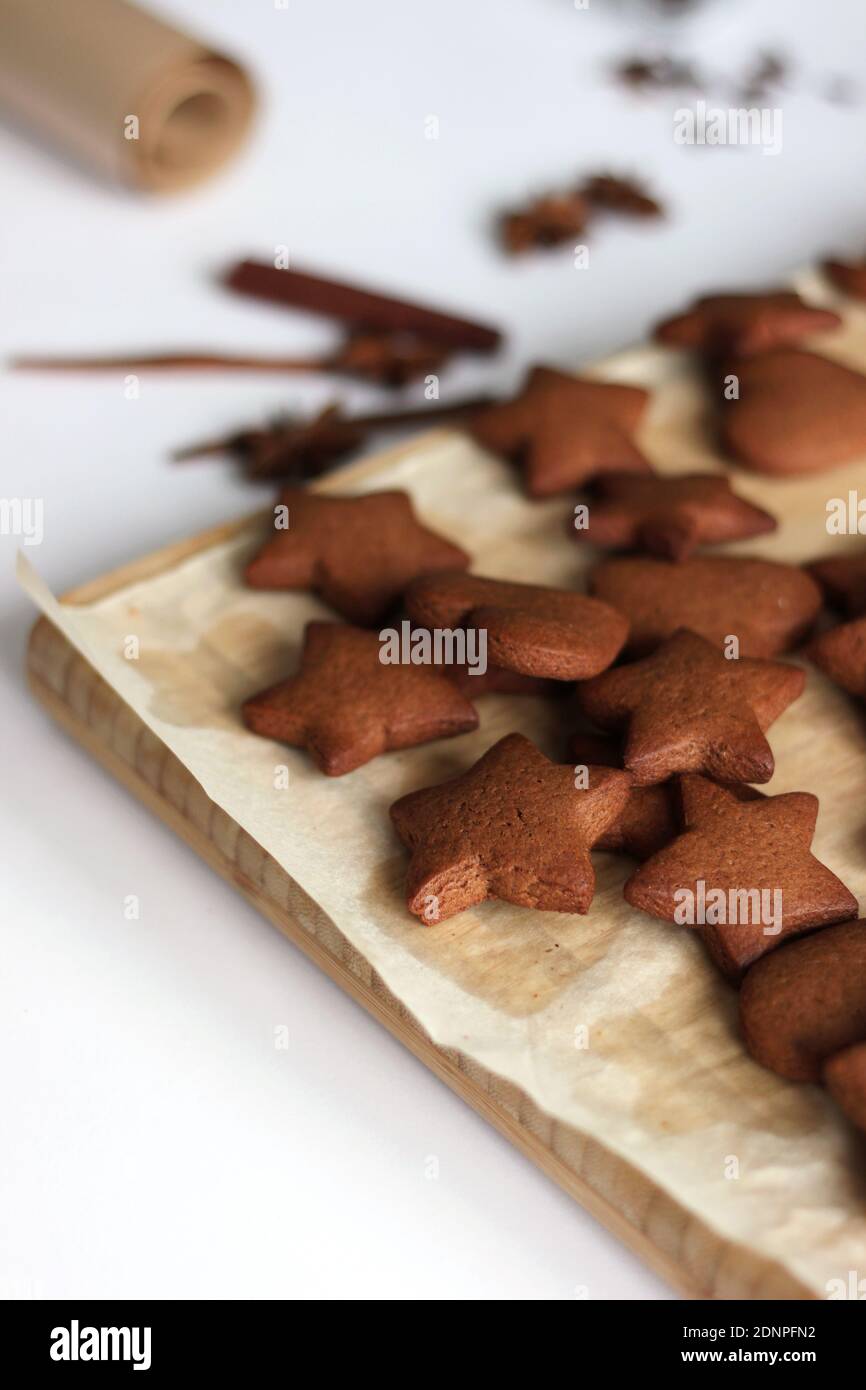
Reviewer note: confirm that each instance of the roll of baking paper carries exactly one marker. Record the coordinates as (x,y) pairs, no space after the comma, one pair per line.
(127,94)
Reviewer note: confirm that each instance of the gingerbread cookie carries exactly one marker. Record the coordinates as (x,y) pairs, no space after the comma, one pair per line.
(497,681)
(841,655)
(688,708)
(745,324)
(651,817)
(358,553)
(515,826)
(648,821)
(345,706)
(669,516)
(769,607)
(807,1001)
(564,430)
(845,1079)
(796,413)
(549,633)
(842,579)
(742,874)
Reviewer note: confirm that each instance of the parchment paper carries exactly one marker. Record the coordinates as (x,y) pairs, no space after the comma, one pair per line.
(80,70)
(665,1080)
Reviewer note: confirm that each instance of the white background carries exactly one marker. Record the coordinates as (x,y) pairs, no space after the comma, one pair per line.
(154,1141)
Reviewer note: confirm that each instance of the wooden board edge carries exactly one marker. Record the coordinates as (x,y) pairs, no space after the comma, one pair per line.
(764,1278)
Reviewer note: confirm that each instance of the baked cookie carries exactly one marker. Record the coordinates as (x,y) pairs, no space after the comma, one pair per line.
(564,430)
(514,826)
(688,708)
(648,821)
(549,633)
(804,1003)
(842,579)
(841,655)
(652,816)
(742,874)
(345,707)
(497,681)
(669,516)
(796,413)
(769,607)
(358,553)
(745,324)
(845,1078)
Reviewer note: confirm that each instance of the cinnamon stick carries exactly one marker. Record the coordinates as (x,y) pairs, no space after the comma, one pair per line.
(389,359)
(358,308)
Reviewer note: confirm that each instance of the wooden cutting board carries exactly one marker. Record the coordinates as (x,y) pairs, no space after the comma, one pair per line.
(677,1246)
(653,1212)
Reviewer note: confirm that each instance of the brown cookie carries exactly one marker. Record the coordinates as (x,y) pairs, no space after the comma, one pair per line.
(841,655)
(669,516)
(497,681)
(651,817)
(549,633)
(358,553)
(345,707)
(688,708)
(845,1078)
(802,1004)
(753,861)
(514,826)
(769,607)
(796,413)
(564,430)
(647,821)
(848,276)
(745,324)
(842,579)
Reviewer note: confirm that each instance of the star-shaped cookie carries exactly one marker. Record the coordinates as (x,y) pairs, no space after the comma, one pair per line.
(841,655)
(358,553)
(345,706)
(515,826)
(796,413)
(648,821)
(768,607)
(564,430)
(547,633)
(806,1002)
(669,516)
(745,323)
(843,581)
(746,869)
(650,818)
(688,708)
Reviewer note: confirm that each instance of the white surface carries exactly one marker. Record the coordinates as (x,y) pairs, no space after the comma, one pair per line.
(156,1142)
